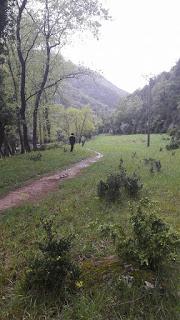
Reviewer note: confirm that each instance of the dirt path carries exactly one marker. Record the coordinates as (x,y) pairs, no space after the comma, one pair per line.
(39,189)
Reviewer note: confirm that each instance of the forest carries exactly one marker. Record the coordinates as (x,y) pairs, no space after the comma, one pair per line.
(32,67)
(161,96)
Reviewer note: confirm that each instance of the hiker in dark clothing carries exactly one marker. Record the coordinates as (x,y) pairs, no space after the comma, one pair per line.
(72,141)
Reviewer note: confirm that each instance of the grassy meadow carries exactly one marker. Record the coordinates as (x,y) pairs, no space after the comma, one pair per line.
(76,209)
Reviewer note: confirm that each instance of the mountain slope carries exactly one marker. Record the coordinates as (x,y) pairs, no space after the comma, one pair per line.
(97,92)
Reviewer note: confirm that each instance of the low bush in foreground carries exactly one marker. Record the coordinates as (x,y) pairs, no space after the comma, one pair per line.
(52,270)
(118,184)
(151,243)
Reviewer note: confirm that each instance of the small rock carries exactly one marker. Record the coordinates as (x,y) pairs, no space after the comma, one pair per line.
(149,285)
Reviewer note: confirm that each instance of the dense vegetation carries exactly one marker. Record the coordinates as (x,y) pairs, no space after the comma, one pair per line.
(32,67)
(160,98)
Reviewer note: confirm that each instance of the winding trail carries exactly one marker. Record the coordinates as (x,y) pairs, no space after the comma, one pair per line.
(38,189)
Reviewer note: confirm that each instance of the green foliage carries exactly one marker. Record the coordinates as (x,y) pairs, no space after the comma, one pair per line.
(131,114)
(49,146)
(140,303)
(80,212)
(155,165)
(110,190)
(175,140)
(118,184)
(35,156)
(53,269)
(133,185)
(152,242)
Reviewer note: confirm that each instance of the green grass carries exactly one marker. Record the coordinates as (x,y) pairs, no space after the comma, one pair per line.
(77,209)
(16,170)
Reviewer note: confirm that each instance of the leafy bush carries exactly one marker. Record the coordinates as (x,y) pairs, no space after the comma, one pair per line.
(175,139)
(155,165)
(110,189)
(35,156)
(53,269)
(50,146)
(117,184)
(152,242)
(174,144)
(133,185)
(109,230)
(174,132)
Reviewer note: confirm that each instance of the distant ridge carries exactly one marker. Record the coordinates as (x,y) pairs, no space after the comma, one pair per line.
(97,92)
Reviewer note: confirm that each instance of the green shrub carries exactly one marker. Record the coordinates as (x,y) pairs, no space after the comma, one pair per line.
(174,144)
(151,242)
(35,156)
(109,231)
(155,165)
(118,184)
(175,139)
(50,146)
(110,190)
(52,270)
(133,185)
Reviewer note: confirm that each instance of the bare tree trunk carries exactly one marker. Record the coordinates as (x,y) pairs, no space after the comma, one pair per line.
(149,114)
(2,135)
(20,134)
(22,79)
(47,124)
(39,94)
(41,133)
(16,98)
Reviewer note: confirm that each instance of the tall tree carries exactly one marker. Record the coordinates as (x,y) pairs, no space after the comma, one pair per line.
(47,30)
(60,19)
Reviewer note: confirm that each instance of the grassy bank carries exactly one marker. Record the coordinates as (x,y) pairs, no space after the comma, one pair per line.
(14,171)
(77,209)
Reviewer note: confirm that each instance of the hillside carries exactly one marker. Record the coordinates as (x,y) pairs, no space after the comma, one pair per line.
(97,92)
(131,115)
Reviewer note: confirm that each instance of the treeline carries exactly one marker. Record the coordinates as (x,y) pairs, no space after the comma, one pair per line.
(161,98)
(31,65)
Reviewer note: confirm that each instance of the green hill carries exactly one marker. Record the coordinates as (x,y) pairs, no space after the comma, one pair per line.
(97,92)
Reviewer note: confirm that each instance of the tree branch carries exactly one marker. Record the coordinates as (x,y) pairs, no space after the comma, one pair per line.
(32,45)
(73,75)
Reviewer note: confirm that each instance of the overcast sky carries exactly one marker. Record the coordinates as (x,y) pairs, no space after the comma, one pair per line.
(143,38)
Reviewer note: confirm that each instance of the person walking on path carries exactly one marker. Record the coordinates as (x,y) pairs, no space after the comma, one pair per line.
(83,140)
(72,141)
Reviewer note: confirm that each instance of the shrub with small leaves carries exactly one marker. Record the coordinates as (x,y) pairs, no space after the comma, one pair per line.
(118,184)
(173,145)
(49,146)
(52,270)
(175,139)
(133,185)
(151,242)
(109,231)
(102,189)
(35,156)
(110,189)
(155,165)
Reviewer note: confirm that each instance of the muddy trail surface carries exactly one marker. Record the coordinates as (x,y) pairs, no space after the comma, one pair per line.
(38,189)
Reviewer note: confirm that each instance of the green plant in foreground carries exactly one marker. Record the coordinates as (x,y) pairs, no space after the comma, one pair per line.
(53,269)
(35,156)
(118,184)
(152,242)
